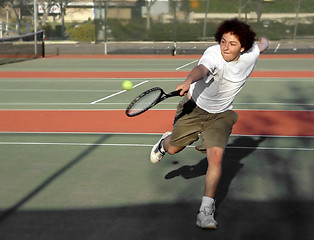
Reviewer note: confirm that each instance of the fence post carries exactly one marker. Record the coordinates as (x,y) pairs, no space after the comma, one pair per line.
(35,26)
(296,20)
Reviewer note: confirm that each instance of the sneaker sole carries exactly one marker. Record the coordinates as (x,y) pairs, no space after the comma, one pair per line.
(209,226)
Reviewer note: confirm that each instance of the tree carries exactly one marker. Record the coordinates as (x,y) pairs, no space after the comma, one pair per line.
(46,6)
(15,5)
(259,9)
(149,4)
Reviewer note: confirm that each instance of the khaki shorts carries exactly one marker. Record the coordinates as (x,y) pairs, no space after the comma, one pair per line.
(191,122)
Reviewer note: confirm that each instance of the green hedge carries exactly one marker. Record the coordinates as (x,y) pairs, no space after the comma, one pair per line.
(83,32)
(135,30)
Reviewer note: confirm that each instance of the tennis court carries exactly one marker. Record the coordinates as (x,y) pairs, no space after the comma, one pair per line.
(73,166)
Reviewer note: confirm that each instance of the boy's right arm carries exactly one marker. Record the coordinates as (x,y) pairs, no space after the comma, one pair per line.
(199,72)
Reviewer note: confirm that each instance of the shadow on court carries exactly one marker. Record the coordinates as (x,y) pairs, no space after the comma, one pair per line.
(234,153)
(239,220)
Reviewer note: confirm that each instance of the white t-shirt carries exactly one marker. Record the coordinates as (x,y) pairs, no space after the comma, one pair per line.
(216,92)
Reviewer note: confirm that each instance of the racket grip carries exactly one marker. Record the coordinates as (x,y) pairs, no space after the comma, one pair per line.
(176,92)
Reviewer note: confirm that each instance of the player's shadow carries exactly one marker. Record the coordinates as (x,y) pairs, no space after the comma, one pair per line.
(240,148)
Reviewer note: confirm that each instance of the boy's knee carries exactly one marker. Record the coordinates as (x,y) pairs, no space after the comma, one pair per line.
(173,150)
(215,154)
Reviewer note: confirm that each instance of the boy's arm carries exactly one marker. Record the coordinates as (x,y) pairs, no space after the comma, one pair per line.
(263,44)
(199,72)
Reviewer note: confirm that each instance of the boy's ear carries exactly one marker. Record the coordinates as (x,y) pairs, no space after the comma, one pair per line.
(242,49)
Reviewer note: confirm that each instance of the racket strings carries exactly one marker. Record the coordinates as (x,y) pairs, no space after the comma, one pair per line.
(145,101)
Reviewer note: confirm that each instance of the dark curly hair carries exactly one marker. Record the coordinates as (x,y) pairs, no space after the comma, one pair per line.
(242,30)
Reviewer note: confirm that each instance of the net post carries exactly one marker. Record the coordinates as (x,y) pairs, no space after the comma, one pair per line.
(42,45)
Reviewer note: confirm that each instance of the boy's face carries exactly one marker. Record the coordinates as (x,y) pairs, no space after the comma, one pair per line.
(230,47)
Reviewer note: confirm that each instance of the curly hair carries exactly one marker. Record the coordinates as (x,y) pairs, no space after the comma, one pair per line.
(242,30)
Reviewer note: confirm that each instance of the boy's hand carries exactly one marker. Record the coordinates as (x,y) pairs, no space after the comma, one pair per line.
(263,44)
(184,86)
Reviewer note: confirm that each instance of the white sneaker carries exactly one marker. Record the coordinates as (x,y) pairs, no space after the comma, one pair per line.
(205,218)
(157,154)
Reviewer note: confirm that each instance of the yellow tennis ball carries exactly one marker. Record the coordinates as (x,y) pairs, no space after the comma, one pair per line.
(127,85)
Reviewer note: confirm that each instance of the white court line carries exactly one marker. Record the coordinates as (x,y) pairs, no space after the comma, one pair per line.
(142,145)
(147,133)
(186,65)
(164,103)
(282,104)
(61,104)
(53,90)
(48,104)
(112,95)
(277,47)
(269,79)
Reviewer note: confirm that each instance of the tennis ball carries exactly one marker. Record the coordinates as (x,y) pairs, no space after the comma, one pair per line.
(127,85)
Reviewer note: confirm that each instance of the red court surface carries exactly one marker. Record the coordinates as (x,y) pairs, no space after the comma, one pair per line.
(251,122)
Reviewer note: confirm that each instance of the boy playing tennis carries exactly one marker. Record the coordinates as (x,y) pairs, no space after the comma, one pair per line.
(206,110)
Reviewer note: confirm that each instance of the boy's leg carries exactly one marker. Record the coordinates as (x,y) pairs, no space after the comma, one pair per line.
(216,135)
(163,146)
(185,131)
(205,217)
(213,174)
(170,148)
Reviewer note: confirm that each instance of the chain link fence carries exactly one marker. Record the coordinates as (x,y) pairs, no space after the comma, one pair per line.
(197,20)
(112,21)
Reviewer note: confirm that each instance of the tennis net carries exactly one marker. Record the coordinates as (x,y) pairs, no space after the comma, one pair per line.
(22,47)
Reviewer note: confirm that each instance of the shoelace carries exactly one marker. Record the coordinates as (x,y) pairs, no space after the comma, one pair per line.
(159,153)
(209,210)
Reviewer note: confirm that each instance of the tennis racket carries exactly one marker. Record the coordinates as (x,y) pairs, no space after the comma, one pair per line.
(147,100)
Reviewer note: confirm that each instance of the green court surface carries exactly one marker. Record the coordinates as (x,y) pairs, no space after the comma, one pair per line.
(103,186)
(144,64)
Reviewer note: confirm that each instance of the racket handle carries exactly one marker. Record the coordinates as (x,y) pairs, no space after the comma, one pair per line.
(176,92)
